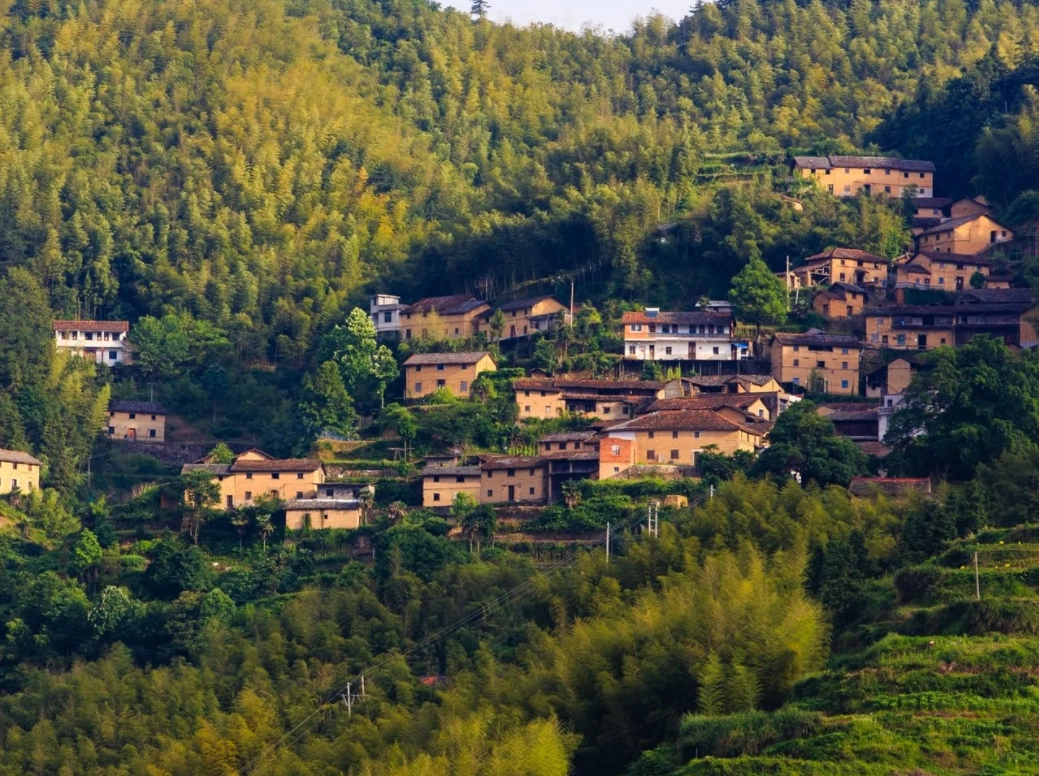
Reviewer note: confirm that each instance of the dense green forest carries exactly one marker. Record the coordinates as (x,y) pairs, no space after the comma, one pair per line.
(234,178)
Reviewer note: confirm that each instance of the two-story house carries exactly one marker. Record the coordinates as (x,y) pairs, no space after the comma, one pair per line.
(443,317)
(385,311)
(815,361)
(524,317)
(964,235)
(945,271)
(19,472)
(925,327)
(510,479)
(707,335)
(322,513)
(846,176)
(840,265)
(737,407)
(606,399)
(136,421)
(440,484)
(676,437)
(254,473)
(103,342)
(426,373)
(841,300)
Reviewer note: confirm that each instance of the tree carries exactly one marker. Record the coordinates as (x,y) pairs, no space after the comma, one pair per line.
(221,454)
(497,325)
(481,522)
(265,527)
(165,346)
(262,511)
(571,493)
(325,405)
(973,404)
(480,8)
(758,296)
(544,356)
(462,507)
(86,555)
(396,512)
(977,280)
(200,494)
(240,519)
(805,444)
(366,366)
(25,330)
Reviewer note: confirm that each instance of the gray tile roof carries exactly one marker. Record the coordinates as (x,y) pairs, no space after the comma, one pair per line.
(17,456)
(460,359)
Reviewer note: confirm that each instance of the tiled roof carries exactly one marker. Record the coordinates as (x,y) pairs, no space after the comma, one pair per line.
(460,359)
(510,462)
(882,162)
(813,162)
(212,468)
(948,309)
(926,223)
(123,326)
(879,449)
(996,296)
(682,420)
(519,304)
(850,415)
(565,383)
(322,503)
(276,465)
(938,202)
(451,471)
(912,268)
(569,436)
(571,455)
(952,223)
(692,316)
(707,401)
(446,305)
(17,456)
(817,339)
(846,253)
(143,407)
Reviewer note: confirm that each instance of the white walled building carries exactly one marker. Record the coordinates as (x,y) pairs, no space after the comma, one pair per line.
(703,335)
(385,311)
(103,342)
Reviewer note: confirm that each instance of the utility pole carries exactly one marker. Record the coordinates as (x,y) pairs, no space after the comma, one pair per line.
(349,699)
(607,543)
(977,579)
(571,301)
(653,518)
(362,686)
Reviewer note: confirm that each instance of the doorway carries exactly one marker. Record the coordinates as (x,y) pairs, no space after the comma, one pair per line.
(512,493)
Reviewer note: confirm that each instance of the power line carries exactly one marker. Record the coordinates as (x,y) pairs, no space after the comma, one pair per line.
(499,603)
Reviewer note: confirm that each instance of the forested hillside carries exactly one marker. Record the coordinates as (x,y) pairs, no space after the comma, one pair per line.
(258,164)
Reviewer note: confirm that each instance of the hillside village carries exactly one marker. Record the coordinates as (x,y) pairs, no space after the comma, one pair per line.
(682,383)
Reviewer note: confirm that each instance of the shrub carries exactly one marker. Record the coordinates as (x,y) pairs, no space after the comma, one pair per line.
(747,733)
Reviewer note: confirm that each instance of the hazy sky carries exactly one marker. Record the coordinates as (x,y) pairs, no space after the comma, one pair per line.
(572,14)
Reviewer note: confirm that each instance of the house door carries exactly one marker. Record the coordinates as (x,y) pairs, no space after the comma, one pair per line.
(921,341)
(131,434)
(512,493)
(230,502)
(959,284)
(512,331)
(652,351)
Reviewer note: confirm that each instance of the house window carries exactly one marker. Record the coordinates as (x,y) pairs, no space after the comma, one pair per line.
(418,367)
(887,172)
(510,473)
(674,455)
(715,351)
(387,317)
(464,386)
(112,355)
(652,434)
(490,475)
(797,362)
(275,476)
(696,435)
(615,449)
(248,475)
(866,171)
(887,189)
(299,494)
(526,408)
(651,455)
(667,351)
(418,387)
(460,478)
(436,497)
(490,493)
(436,478)
(844,364)
(884,339)
(796,381)
(248,495)
(847,189)
(631,350)
(440,367)
(532,491)
(606,410)
(636,327)
(674,435)
(133,415)
(151,433)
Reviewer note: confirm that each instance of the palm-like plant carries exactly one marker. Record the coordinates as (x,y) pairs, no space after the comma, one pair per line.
(396,512)
(240,521)
(571,493)
(366,499)
(266,527)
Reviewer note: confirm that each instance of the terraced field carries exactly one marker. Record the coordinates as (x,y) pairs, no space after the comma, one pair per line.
(937,683)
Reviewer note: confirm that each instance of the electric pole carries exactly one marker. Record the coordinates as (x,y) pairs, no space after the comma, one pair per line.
(977,579)
(607,543)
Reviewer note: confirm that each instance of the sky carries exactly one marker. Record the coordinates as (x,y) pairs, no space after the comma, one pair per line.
(573,14)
